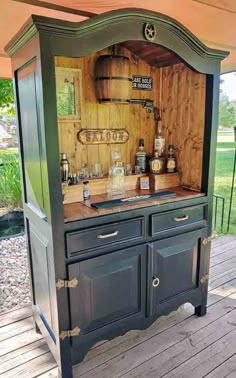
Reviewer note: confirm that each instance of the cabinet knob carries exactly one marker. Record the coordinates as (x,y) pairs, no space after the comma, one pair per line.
(155,282)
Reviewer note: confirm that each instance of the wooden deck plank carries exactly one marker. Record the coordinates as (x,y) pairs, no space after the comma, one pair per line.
(227,369)
(225,266)
(40,348)
(208,359)
(33,368)
(173,357)
(18,341)
(16,328)
(222,240)
(178,345)
(13,316)
(15,354)
(130,354)
(221,292)
(229,254)
(222,248)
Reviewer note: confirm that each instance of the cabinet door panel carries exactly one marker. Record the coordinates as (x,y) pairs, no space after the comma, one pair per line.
(174,267)
(110,287)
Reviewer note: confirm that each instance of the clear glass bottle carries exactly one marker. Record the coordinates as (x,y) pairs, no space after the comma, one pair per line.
(157,163)
(171,162)
(141,157)
(116,180)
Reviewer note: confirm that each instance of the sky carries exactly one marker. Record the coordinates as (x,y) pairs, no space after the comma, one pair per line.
(229,85)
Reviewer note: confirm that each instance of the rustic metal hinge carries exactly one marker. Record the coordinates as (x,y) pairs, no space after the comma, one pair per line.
(64,283)
(207,240)
(70,333)
(204,279)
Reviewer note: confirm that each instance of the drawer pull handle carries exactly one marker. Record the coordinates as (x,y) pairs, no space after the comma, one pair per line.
(108,235)
(185,217)
(155,282)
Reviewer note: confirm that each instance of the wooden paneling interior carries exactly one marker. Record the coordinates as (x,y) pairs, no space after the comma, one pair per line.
(152,54)
(182,107)
(178,91)
(134,118)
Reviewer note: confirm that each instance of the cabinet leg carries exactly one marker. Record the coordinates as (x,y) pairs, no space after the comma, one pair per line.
(37,330)
(66,372)
(201,310)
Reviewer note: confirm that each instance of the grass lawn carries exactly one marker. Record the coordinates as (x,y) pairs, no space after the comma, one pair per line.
(223,178)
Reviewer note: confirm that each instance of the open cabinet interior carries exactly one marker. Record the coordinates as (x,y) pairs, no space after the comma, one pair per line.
(177,91)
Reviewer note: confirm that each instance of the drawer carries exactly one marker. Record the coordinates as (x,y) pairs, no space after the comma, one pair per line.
(178,218)
(113,233)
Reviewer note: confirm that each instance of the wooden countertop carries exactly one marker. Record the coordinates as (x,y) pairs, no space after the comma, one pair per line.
(82,210)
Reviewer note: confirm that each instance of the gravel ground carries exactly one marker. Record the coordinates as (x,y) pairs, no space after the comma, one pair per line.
(14,275)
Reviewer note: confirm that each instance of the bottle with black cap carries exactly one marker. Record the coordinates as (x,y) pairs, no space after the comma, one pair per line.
(141,157)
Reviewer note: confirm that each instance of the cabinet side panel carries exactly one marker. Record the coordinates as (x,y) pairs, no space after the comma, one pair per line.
(29,125)
(40,272)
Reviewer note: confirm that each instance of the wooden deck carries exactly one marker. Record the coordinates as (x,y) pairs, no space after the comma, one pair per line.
(178,345)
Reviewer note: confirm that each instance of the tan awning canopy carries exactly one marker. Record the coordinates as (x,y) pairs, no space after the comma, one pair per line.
(212,21)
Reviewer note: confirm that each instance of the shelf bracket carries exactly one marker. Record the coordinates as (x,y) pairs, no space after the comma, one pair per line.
(69,333)
(67,284)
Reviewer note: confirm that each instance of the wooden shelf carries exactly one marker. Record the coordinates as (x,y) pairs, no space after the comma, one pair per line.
(74,193)
(83,209)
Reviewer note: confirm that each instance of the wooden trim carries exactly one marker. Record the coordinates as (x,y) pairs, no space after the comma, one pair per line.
(118,26)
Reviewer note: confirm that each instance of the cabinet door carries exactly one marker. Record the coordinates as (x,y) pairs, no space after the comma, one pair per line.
(110,288)
(175,265)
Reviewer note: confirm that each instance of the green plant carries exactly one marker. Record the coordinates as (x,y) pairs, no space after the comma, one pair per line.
(7,96)
(10,183)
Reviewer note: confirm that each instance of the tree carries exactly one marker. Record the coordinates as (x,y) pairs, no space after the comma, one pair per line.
(227,111)
(6,95)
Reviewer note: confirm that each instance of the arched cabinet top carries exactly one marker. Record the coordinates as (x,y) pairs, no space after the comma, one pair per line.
(77,39)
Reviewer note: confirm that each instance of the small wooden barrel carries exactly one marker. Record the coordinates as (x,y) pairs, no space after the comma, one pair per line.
(112,80)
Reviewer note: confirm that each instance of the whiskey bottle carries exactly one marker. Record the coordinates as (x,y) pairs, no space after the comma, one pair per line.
(159,140)
(157,163)
(171,163)
(141,156)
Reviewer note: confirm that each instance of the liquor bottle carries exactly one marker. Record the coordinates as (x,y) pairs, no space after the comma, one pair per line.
(116,180)
(171,163)
(141,156)
(157,163)
(159,140)
(64,166)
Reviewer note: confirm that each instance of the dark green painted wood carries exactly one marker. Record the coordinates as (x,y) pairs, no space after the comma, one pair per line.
(110,234)
(93,303)
(178,218)
(117,26)
(30,135)
(40,40)
(175,262)
(111,288)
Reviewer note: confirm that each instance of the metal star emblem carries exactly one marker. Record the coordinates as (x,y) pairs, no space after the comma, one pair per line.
(150,32)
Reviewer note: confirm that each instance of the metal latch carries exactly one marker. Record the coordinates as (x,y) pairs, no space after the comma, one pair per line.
(204,279)
(65,283)
(69,333)
(207,240)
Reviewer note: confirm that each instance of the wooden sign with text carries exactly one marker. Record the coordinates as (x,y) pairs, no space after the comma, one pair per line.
(143,83)
(103,136)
